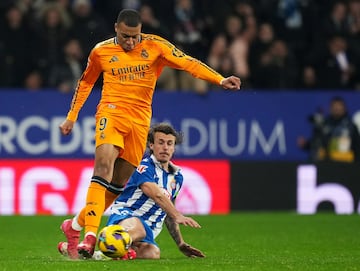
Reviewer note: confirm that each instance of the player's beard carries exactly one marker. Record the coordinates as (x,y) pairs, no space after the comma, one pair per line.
(165,159)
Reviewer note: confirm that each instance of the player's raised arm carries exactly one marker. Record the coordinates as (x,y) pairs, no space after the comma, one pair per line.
(177,59)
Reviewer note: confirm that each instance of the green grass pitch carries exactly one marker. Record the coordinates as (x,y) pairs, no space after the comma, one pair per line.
(239,241)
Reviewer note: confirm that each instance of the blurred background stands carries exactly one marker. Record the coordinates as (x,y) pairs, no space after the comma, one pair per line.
(271,44)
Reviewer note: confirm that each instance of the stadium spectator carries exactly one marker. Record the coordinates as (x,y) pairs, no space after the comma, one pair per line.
(65,4)
(219,57)
(168,80)
(239,49)
(244,8)
(308,79)
(233,27)
(31,8)
(335,137)
(261,44)
(65,75)
(246,12)
(88,26)
(241,31)
(231,43)
(304,26)
(218,50)
(227,66)
(50,36)
(148,184)
(108,9)
(278,68)
(34,81)
(187,28)
(293,23)
(337,66)
(152,24)
(335,23)
(353,20)
(130,63)
(14,61)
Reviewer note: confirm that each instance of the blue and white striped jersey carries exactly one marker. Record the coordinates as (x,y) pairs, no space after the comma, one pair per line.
(142,206)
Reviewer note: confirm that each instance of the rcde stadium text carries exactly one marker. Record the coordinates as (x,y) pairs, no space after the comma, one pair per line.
(36,135)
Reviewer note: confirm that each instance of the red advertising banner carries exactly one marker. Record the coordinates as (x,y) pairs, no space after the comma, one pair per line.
(206,187)
(58,187)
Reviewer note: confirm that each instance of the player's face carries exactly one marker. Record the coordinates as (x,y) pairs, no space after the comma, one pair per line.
(163,147)
(128,36)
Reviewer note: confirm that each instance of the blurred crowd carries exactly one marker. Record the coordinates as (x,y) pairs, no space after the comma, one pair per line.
(269,44)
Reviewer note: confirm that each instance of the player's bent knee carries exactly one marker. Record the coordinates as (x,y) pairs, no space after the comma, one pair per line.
(135,228)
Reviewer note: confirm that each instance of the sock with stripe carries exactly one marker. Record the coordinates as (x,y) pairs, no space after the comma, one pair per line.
(111,193)
(95,204)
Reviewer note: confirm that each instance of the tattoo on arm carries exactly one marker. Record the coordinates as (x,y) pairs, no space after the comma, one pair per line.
(174,230)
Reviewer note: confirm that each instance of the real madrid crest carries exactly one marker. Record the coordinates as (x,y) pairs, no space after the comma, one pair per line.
(144,53)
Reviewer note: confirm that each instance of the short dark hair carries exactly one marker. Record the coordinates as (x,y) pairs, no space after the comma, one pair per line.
(337,99)
(129,17)
(165,128)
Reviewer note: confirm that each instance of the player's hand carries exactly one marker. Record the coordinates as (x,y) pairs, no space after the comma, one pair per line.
(66,127)
(231,82)
(186,221)
(191,251)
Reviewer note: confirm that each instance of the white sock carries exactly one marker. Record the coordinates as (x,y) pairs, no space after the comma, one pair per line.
(75,225)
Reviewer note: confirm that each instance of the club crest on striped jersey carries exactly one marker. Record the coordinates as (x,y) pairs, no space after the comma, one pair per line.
(172,184)
(141,168)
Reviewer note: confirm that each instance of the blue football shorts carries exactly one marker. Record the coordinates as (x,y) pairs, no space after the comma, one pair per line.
(125,213)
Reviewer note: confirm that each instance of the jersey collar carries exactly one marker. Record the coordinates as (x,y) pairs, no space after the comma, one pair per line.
(175,169)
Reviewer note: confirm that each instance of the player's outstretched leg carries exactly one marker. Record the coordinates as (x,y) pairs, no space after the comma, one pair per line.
(72,237)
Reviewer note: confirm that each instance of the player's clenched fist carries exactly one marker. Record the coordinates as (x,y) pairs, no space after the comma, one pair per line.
(66,127)
(231,82)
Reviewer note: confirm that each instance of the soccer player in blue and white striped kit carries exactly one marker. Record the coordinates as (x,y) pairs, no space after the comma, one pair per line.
(148,198)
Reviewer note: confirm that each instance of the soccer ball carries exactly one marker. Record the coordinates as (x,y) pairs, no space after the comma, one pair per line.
(114,241)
